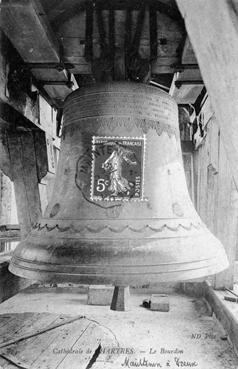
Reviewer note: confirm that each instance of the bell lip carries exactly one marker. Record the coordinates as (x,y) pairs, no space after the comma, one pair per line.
(217,265)
(99,85)
(117,260)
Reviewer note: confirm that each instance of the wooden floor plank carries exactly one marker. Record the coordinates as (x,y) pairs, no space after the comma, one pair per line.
(7,331)
(29,350)
(5,364)
(65,346)
(56,351)
(84,347)
(12,320)
(22,325)
(94,338)
(4,319)
(39,331)
(22,350)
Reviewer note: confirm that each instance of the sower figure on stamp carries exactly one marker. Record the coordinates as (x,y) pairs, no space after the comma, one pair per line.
(118,183)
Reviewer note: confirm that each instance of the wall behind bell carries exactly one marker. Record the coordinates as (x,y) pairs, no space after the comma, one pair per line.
(215,194)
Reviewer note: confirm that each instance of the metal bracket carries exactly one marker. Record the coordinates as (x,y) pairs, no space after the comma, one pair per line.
(68,84)
(182,67)
(178,84)
(57,66)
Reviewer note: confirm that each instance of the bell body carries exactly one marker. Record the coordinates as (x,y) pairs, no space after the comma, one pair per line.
(120,212)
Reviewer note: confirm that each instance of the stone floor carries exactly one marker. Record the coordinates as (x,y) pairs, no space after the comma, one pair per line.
(186,336)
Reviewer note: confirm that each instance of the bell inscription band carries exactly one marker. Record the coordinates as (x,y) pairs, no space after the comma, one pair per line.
(120,212)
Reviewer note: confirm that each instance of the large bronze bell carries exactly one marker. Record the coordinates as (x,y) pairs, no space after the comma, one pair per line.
(120,211)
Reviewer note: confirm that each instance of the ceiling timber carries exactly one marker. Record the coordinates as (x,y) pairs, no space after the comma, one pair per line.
(65,43)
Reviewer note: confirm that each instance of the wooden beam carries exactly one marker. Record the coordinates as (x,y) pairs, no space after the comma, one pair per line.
(169,37)
(26,22)
(226,219)
(153,33)
(224,312)
(14,119)
(9,232)
(5,165)
(26,25)
(101,30)
(138,30)
(42,159)
(164,64)
(112,38)
(24,175)
(170,10)
(89,31)
(214,37)
(56,66)
(188,56)
(67,14)
(127,43)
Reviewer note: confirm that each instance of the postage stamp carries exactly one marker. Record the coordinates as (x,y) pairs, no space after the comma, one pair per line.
(117,172)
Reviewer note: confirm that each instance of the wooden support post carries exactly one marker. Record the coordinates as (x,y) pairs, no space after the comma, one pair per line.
(127,44)
(120,299)
(5,165)
(153,32)
(214,37)
(24,175)
(227,227)
(89,31)
(112,38)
